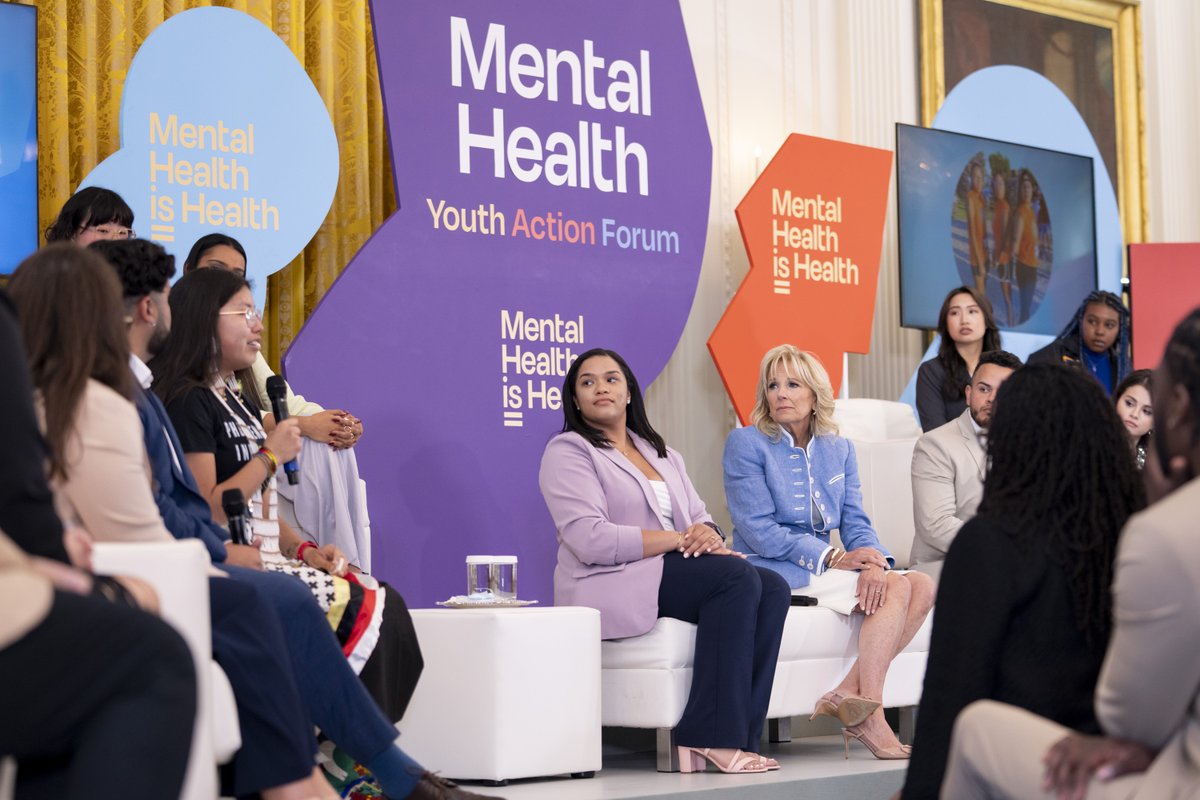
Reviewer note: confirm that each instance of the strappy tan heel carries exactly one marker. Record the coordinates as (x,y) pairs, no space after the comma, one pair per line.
(850,709)
(877,750)
(693,759)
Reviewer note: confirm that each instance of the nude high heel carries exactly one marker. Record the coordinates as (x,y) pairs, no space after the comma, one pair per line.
(693,759)
(877,750)
(850,709)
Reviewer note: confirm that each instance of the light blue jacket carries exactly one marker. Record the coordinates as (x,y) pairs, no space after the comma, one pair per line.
(772,487)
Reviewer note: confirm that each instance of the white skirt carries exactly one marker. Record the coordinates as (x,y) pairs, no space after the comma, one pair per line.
(835,588)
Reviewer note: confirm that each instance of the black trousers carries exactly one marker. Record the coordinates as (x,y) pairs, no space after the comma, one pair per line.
(739,611)
(97,702)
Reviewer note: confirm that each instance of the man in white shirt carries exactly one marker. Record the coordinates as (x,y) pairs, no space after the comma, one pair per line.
(949,464)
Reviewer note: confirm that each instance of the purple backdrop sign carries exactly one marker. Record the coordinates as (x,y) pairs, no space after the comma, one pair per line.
(552,166)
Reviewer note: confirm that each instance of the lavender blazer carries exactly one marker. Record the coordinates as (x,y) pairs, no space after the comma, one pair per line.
(601,503)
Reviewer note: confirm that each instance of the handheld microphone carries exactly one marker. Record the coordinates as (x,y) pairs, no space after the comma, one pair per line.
(233,503)
(277,393)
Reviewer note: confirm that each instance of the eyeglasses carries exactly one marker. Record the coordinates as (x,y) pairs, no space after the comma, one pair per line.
(112,231)
(250,314)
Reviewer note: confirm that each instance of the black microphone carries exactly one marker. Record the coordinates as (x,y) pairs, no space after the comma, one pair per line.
(277,393)
(233,503)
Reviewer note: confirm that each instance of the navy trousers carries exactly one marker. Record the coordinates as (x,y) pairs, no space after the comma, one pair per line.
(332,695)
(739,611)
(278,745)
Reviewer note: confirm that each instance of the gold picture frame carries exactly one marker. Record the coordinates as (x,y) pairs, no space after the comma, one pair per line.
(1091,49)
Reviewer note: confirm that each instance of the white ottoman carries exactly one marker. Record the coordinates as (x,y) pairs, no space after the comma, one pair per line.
(506,693)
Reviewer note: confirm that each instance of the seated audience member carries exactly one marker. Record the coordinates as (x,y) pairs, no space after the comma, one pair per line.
(790,480)
(92,214)
(636,542)
(1148,696)
(329,502)
(128,675)
(1023,603)
(966,329)
(1096,340)
(69,307)
(336,700)
(1134,400)
(225,447)
(949,463)
(71,314)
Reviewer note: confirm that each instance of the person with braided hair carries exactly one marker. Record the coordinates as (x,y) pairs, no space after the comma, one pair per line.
(1148,696)
(1096,340)
(1023,607)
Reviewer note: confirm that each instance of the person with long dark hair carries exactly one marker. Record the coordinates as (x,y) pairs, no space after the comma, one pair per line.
(636,542)
(1096,340)
(1024,609)
(92,214)
(216,331)
(790,481)
(966,328)
(1134,398)
(330,502)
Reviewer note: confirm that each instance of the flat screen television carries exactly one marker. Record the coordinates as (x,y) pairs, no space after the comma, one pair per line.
(1017,221)
(18,134)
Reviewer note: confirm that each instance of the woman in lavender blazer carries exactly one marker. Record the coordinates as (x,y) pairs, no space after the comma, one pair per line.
(790,481)
(636,542)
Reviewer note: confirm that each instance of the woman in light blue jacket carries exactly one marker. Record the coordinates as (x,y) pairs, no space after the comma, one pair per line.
(790,480)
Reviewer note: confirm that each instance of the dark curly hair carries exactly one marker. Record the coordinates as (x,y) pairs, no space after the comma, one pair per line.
(142,265)
(1061,481)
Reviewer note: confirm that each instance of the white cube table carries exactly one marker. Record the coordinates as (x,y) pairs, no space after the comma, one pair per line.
(506,693)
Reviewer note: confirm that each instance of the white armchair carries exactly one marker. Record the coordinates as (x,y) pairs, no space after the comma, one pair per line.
(884,434)
(179,571)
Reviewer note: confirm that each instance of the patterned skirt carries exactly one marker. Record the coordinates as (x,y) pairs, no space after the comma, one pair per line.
(370,618)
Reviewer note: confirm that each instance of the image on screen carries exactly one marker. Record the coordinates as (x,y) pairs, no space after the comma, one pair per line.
(1013,221)
(18,134)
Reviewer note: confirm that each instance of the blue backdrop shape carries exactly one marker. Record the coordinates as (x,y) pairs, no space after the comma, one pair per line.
(1018,105)
(222,130)
(18,134)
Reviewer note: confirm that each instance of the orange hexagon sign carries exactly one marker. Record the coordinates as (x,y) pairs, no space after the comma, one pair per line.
(813,228)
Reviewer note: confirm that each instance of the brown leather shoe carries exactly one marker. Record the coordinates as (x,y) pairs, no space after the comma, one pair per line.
(435,787)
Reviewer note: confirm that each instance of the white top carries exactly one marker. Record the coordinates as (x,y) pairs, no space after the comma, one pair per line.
(664,502)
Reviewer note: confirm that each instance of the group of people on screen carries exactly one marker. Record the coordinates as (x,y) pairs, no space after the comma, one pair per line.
(1064,652)
(1012,256)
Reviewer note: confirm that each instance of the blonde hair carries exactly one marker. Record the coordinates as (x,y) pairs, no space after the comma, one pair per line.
(811,372)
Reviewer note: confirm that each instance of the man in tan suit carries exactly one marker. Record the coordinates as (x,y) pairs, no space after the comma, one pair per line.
(949,463)
(1148,694)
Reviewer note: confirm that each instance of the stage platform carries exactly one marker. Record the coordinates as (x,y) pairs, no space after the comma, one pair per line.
(811,768)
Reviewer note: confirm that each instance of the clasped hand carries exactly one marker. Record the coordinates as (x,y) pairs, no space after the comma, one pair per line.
(872,568)
(700,539)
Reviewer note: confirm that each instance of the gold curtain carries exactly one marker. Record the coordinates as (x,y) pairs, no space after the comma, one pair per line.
(84,50)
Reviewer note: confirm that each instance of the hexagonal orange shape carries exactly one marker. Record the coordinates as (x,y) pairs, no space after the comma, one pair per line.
(813,227)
